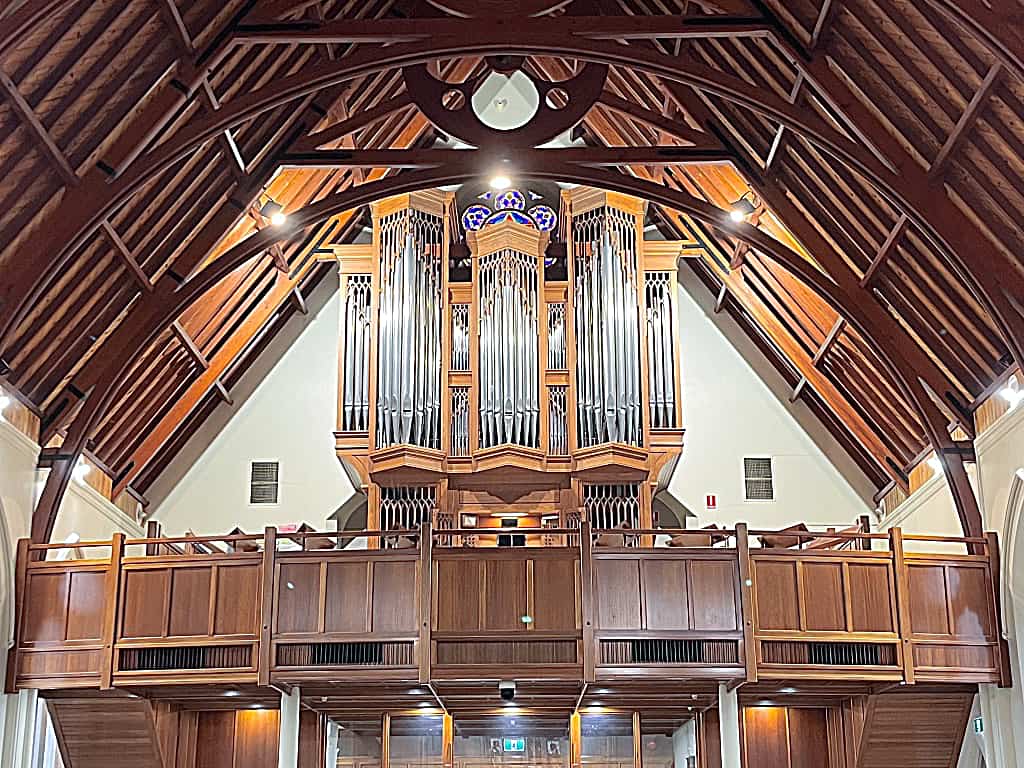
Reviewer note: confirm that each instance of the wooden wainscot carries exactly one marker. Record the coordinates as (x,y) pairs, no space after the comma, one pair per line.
(188,618)
(825,613)
(669,613)
(346,615)
(953,633)
(62,613)
(501,609)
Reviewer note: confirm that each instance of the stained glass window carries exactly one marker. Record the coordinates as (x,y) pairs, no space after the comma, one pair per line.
(510,199)
(544,217)
(474,217)
(509,205)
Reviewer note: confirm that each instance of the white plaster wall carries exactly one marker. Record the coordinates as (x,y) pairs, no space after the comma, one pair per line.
(729,412)
(290,416)
(1000,454)
(83,512)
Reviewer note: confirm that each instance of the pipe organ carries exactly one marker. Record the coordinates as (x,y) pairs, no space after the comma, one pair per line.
(509,358)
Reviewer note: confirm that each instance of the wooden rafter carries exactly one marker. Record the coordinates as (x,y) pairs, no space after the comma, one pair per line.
(35,126)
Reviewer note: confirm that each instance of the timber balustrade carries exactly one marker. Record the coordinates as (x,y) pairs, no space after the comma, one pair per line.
(732,605)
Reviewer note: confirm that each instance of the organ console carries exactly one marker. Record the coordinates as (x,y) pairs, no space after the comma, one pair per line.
(509,355)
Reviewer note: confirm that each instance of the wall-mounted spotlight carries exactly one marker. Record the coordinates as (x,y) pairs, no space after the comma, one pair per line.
(743,207)
(500,182)
(274,211)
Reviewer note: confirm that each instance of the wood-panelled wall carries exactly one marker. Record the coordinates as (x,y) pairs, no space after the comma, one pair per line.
(786,737)
(244,738)
(852,594)
(670,592)
(375,593)
(522,602)
(858,614)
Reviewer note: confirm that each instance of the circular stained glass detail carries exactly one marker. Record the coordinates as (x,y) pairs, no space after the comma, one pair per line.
(544,216)
(516,216)
(474,217)
(510,199)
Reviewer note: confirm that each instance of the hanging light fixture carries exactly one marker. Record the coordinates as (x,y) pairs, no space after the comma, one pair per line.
(274,211)
(743,207)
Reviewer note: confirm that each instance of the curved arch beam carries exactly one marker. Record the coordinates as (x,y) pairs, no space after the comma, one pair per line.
(143,325)
(1002,32)
(84,207)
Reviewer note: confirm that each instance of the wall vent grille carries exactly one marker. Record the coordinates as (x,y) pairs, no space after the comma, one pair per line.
(264,477)
(188,657)
(829,654)
(389,654)
(507,652)
(758,481)
(669,652)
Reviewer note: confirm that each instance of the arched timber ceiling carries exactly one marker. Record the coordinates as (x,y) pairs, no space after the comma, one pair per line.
(137,141)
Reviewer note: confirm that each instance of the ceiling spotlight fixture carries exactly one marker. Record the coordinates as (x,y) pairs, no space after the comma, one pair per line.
(274,211)
(787,690)
(743,207)
(232,692)
(500,182)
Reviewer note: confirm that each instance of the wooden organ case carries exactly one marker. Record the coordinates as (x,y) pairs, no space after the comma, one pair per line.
(511,380)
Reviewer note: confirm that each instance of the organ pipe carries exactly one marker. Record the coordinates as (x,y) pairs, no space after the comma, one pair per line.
(409,334)
(553,368)
(355,409)
(609,406)
(661,349)
(509,375)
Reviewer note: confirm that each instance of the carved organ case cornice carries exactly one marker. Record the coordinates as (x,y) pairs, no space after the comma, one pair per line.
(530,370)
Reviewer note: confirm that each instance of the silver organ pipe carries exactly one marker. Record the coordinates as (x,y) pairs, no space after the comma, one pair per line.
(409,337)
(355,413)
(509,372)
(607,328)
(556,337)
(558,430)
(460,337)
(661,349)
(460,421)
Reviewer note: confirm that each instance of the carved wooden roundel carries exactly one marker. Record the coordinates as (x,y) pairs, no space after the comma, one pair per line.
(471,9)
(561,105)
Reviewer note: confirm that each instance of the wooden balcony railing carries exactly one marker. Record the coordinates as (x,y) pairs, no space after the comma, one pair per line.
(447,604)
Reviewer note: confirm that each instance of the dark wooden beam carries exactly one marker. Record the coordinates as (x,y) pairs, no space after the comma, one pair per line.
(963,126)
(391,30)
(828,342)
(994,23)
(675,128)
(190,346)
(885,251)
(35,126)
(827,12)
(353,123)
(126,256)
(943,224)
(432,158)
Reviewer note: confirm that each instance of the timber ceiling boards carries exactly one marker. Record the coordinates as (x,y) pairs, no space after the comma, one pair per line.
(927,95)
